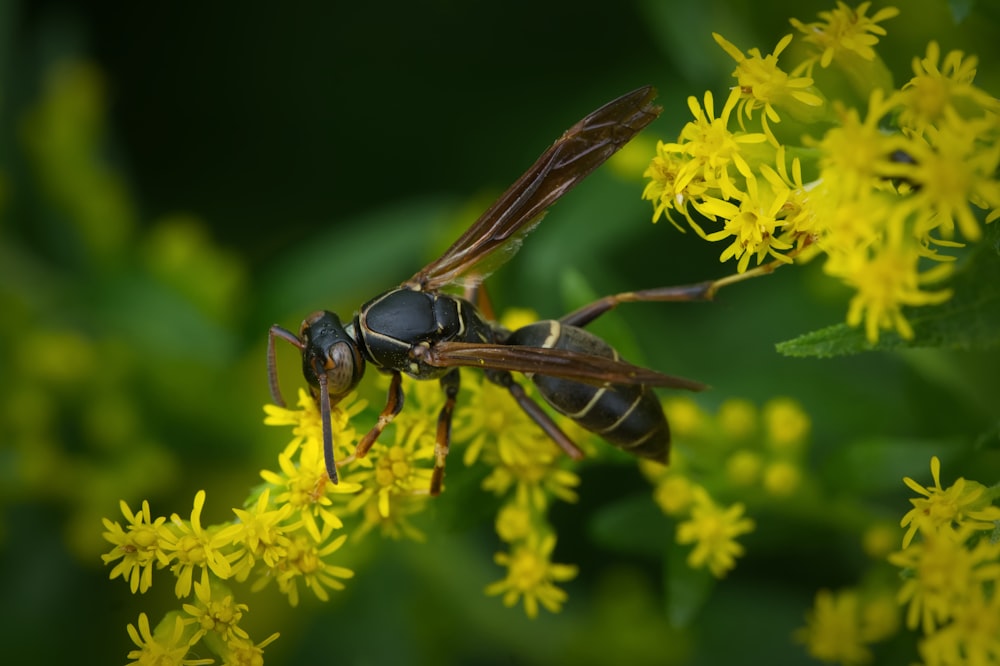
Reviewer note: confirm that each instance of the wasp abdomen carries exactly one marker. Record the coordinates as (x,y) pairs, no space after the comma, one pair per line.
(627,415)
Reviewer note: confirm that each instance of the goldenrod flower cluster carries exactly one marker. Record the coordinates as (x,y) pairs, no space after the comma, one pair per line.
(948,581)
(951,559)
(291,529)
(741,451)
(826,155)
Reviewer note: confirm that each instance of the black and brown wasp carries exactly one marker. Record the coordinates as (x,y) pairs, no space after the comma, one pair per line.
(419,330)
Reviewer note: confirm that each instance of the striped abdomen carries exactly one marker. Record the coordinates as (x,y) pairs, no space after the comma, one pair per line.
(627,415)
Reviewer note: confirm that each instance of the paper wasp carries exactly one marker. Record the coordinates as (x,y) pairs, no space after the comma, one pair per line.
(423,332)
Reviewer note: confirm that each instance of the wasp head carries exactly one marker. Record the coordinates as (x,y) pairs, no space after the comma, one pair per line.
(330,355)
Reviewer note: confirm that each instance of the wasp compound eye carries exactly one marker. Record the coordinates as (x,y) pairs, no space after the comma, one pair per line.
(340,368)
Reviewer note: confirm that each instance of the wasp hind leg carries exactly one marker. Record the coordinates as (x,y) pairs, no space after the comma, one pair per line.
(701,291)
(537,414)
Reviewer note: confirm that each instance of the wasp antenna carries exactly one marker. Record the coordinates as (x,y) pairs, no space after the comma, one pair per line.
(272,363)
(325,416)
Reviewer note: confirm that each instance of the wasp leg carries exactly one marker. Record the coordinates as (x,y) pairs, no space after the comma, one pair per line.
(272,365)
(702,291)
(450,385)
(537,414)
(393,405)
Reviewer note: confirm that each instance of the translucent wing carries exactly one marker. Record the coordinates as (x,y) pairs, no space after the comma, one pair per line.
(574,365)
(581,149)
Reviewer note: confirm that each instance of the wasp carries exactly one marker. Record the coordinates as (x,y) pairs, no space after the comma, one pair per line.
(421,331)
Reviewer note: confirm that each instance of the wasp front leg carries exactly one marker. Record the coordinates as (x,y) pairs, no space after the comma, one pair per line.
(393,405)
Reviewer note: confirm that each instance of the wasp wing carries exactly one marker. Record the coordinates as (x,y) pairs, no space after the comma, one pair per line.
(580,150)
(567,364)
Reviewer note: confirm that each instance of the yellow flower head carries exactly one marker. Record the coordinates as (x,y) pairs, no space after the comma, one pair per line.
(845,31)
(833,631)
(938,86)
(764,85)
(962,504)
(946,571)
(531,575)
(305,560)
(144,545)
(196,547)
(216,612)
(713,530)
(402,469)
(167,645)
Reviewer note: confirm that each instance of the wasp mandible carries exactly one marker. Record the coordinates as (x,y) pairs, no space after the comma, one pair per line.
(419,330)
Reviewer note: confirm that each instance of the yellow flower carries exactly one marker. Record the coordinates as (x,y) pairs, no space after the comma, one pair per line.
(880,539)
(737,418)
(514,522)
(397,471)
(304,559)
(141,548)
(945,573)
(743,467)
(786,424)
(764,85)
(782,478)
(833,630)
(262,535)
(397,524)
(674,494)
(491,425)
(196,547)
(247,653)
(755,224)
(845,30)
(308,424)
(713,530)
(686,418)
(220,615)
(532,575)
(973,636)
(714,148)
(952,171)
(533,483)
(167,646)
(306,487)
(856,155)
(937,86)
(671,184)
(961,504)
(886,278)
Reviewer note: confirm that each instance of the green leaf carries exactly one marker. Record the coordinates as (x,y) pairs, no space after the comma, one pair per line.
(633,525)
(884,461)
(969,320)
(960,9)
(356,260)
(989,440)
(686,589)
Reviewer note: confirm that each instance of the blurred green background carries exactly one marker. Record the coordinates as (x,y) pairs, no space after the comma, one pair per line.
(174,178)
